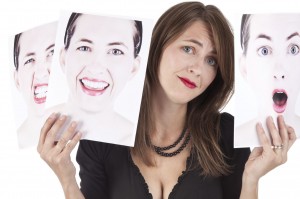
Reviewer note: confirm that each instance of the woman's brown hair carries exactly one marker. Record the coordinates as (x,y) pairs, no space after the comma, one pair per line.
(203,116)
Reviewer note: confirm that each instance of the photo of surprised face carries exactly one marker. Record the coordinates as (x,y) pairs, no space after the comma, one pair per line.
(32,56)
(269,64)
(98,58)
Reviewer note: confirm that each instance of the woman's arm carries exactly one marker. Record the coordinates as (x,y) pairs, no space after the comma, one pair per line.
(57,154)
(264,159)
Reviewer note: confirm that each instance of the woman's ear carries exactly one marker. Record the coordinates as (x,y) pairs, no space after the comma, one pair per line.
(62,58)
(136,66)
(243,67)
(16,79)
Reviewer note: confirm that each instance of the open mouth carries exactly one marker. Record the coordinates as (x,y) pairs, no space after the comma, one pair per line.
(280,98)
(93,87)
(40,93)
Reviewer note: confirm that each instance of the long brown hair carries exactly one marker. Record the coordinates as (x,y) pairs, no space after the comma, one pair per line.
(203,117)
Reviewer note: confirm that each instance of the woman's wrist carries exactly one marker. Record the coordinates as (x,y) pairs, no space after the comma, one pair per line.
(72,190)
(249,187)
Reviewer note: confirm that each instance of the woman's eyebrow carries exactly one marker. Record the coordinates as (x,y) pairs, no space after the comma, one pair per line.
(50,46)
(29,54)
(200,44)
(85,40)
(264,36)
(117,44)
(195,42)
(293,35)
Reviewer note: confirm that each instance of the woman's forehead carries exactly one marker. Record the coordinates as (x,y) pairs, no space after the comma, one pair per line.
(93,22)
(274,23)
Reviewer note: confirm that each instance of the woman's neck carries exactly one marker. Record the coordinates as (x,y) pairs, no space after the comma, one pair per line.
(169,118)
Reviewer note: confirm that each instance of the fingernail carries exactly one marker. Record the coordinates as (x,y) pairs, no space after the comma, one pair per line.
(53,115)
(271,118)
(79,134)
(62,117)
(73,124)
(259,125)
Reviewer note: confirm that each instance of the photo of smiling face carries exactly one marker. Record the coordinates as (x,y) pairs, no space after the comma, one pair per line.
(98,74)
(270,65)
(33,57)
(99,61)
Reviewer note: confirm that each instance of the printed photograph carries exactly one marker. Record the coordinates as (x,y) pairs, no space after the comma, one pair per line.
(98,74)
(267,73)
(31,54)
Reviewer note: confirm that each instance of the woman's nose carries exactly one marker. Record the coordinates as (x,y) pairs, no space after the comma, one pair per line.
(279,76)
(42,70)
(195,68)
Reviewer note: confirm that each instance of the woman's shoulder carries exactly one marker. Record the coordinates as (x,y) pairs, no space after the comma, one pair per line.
(100,150)
(227,135)
(227,126)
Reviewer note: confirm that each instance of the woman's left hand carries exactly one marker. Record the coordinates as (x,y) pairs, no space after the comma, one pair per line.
(272,153)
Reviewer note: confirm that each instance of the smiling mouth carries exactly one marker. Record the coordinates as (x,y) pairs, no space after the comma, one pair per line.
(93,87)
(280,100)
(40,93)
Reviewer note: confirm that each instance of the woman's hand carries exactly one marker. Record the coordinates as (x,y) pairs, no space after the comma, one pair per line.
(272,153)
(57,153)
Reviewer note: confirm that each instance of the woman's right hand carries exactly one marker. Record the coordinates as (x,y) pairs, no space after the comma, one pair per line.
(57,153)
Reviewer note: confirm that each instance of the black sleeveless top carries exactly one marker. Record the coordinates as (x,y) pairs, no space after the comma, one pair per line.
(107,171)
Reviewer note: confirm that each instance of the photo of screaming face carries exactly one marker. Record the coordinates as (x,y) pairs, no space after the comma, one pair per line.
(270,65)
(99,57)
(32,56)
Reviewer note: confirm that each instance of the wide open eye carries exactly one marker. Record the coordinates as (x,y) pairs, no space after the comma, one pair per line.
(264,51)
(293,49)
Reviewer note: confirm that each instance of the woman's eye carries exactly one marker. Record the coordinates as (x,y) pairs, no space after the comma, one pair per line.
(211,61)
(294,49)
(84,48)
(50,54)
(264,51)
(188,49)
(115,52)
(29,61)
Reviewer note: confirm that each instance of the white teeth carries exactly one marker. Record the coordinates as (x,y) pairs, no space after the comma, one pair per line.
(94,85)
(41,91)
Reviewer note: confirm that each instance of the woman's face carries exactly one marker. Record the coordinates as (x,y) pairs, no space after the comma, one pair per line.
(272,63)
(35,57)
(99,61)
(188,64)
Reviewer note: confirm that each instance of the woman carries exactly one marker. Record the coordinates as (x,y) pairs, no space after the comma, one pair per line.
(184,146)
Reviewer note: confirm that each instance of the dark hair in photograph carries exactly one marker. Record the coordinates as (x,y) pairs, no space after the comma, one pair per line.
(70,29)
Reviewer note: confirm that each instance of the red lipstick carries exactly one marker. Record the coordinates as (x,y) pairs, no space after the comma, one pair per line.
(40,93)
(188,83)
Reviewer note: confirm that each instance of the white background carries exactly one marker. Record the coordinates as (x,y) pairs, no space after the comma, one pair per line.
(23,174)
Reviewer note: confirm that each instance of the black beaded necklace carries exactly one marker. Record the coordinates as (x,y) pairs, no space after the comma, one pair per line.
(160,150)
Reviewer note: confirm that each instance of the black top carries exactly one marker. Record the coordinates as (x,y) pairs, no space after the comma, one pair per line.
(108,171)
